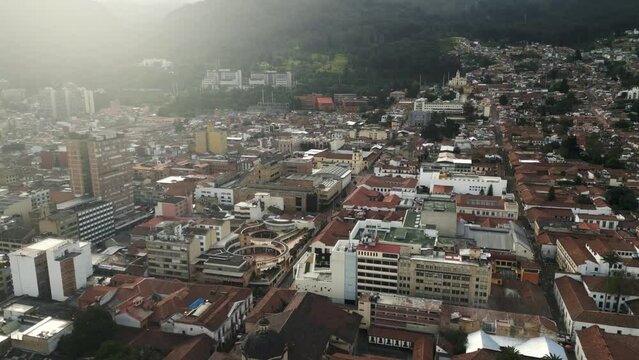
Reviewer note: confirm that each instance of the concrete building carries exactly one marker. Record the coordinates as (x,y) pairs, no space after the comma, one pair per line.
(487,206)
(175,206)
(210,140)
(439,214)
(224,196)
(449,107)
(448,278)
(339,282)
(271,78)
(15,205)
(173,252)
(43,337)
(399,312)
(84,219)
(449,183)
(353,159)
(51,267)
(99,166)
(221,267)
(222,79)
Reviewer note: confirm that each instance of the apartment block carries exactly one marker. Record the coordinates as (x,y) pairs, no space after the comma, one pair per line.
(172,252)
(447,278)
(53,268)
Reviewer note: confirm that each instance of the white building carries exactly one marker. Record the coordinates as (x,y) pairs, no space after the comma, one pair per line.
(458,81)
(52,266)
(255,208)
(339,282)
(224,196)
(579,311)
(464,183)
(223,78)
(43,337)
(272,78)
(449,107)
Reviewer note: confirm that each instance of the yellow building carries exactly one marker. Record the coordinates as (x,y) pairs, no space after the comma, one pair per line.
(200,142)
(210,140)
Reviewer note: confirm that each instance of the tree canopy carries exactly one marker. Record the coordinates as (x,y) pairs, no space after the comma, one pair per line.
(90,329)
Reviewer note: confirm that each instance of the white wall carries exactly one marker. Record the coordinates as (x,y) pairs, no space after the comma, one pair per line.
(23,273)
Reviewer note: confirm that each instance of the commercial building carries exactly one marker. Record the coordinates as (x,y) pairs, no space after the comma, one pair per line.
(99,166)
(14,205)
(53,268)
(448,278)
(210,140)
(175,206)
(399,312)
(439,214)
(222,267)
(84,219)
(172,251)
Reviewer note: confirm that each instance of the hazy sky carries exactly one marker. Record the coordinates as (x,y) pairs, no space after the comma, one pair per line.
(143,10)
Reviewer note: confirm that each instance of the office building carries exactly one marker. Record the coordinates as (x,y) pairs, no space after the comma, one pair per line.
(399,312)
(84,219)
(448,278)
(53,268)
(174,250)
(100,166)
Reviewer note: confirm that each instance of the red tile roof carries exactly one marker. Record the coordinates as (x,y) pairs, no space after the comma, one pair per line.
(597,344)
(389,182)
(576,249)
(337,229)
(365,198)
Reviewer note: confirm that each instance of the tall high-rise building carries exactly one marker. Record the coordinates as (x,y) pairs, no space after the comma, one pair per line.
(100,166)
(211,140)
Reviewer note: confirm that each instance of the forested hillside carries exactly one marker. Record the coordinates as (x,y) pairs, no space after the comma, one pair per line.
(330,45)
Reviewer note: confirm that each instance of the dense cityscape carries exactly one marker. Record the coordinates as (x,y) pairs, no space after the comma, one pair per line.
(492,214)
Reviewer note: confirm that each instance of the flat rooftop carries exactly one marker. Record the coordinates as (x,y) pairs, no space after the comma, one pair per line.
(45,329)
(439,205)
(407,301)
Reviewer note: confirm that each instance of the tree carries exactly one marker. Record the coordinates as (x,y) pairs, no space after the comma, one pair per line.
(569,148)
(552,357)
(490,190)
(611,258)
(622,198)
(469,111)
(91,328)
(458,339)
(503,100)
(509,353)
(551,194)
